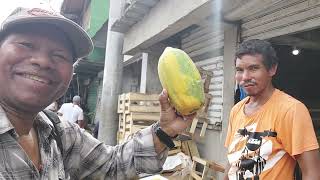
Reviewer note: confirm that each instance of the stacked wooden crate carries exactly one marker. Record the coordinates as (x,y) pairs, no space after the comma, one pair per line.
(202,114)
(136,111)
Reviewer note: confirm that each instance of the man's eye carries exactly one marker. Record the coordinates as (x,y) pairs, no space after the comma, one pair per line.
(61,57)
(26,44)
(254,68)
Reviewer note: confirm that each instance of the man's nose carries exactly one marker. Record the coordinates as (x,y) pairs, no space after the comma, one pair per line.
(246,75)
(42,60)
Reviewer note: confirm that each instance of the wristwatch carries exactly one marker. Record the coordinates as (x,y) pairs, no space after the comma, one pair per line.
(163,137)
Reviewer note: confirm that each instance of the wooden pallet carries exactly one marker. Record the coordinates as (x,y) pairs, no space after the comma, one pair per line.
(203,112)
(176,149)
(194,125)
(136,111)
(207,165)
(138,102)
(206,78)
(136,121)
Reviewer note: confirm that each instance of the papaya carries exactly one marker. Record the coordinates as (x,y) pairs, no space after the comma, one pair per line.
(181,78)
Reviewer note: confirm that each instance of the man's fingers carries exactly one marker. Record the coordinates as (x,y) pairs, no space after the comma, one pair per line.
(190,117)
(164,102)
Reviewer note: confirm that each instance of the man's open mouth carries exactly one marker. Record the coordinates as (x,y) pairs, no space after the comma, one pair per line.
(36,78)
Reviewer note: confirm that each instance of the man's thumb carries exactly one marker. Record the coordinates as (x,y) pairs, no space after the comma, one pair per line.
(164,102)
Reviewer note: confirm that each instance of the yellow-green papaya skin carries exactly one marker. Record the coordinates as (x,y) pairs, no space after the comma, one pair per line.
(181,78)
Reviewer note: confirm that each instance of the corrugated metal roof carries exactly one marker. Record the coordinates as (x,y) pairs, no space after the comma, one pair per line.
(73,9)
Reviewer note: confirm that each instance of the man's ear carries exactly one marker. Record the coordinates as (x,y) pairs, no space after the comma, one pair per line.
(273,70)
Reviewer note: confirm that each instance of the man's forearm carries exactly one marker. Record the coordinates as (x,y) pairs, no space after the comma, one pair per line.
(310,177)
(309,164)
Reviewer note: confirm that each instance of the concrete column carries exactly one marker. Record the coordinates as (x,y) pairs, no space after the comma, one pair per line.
(112,78)
(144,68)
(230,46)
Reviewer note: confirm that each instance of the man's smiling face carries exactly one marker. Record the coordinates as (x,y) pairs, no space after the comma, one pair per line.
(35,66)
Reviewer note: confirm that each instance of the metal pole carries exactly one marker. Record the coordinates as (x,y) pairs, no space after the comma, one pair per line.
(112,79)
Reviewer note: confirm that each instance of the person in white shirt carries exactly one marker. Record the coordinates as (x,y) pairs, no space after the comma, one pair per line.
(72,112)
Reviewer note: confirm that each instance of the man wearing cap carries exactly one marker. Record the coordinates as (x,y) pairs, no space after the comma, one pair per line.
(37,50)
(72,112)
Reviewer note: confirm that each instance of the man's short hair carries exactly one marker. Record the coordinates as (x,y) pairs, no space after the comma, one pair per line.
(257,46)
(76,99)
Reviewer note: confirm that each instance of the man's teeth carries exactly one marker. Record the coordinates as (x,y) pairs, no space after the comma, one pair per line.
(36,78)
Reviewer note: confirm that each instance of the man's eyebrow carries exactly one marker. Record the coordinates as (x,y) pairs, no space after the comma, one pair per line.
(254,65)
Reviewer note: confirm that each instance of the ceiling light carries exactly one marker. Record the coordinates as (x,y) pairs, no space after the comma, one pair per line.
(295,51)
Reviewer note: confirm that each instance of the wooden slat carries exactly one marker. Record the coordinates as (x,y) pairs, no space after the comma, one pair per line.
(199,160)
(195,176)
(193,148)
(193,125)
(151,109)
(177,143)
(204,172)
(174,151)
(136,128)
(185,148)
(121,102)
(145,116)
(203,129)
(142,97)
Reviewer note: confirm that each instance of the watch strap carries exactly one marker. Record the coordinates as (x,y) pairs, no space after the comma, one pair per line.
(163,137)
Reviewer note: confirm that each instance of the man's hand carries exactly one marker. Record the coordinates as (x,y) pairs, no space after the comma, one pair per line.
(170,121)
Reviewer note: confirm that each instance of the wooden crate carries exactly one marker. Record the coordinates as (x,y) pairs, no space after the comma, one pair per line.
(136,111)
(207,165)
(202,116)
(121,103)
(206,78)
(139,102)
(136,121)
(176,149)
(203,112)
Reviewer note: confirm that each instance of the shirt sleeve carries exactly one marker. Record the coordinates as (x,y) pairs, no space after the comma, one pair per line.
(80,117)
(296,131)
(229,131)
(97,160)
